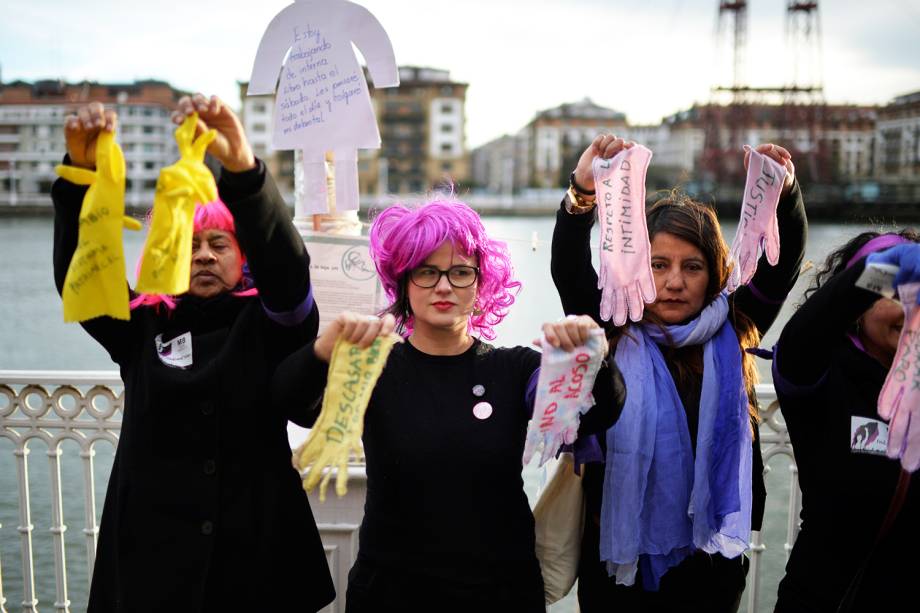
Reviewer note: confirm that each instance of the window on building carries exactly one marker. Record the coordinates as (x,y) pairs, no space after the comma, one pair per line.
(150,184)
(447,127)
(258,107)
(150,165)
(447,148)
(148,129)
(447,108)
(258,127)
(447,167)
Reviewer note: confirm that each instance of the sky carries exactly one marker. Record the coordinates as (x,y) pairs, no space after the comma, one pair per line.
(645,58)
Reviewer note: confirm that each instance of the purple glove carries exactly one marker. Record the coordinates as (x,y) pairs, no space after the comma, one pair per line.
(899,401)
(757,228)
(625,279)
(905,257)
(563,395)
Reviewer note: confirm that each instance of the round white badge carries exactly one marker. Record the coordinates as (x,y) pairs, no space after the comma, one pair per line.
(482,410)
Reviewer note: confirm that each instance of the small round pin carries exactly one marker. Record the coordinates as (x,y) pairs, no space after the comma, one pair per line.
(482,410)
(479,391)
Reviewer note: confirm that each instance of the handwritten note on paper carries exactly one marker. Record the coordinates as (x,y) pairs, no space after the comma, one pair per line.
(317,85)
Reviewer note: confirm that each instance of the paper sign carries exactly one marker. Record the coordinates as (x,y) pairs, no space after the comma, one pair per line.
(343,276)
(322,102)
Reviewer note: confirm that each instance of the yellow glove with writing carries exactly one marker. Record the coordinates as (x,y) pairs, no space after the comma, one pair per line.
(353,372)
(95,283)
(166,261)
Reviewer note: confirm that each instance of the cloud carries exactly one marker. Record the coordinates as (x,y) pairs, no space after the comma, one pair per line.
(646,59)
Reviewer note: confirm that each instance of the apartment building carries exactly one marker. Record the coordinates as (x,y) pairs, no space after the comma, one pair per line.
(423,132)
(897,145)
(32,134)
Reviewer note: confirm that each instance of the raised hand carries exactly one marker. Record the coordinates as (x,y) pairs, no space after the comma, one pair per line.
(604,146)
(572,354)
(230,145)
(82,131)
(625,277)
(758,232)
(899,400)
(95,282)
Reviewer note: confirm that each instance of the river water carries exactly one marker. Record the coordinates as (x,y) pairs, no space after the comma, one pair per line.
(34,337)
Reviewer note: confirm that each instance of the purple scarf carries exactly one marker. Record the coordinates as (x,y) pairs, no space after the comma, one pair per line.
(660,504)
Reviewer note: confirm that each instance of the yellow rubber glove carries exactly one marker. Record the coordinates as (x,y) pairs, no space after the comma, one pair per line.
(167,257)
(353,372)
(95,283)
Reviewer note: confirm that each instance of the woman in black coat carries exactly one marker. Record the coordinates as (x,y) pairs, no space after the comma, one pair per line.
(859,511)
(203,511)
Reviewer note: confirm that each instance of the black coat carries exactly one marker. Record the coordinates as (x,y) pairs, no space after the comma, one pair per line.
(204,510)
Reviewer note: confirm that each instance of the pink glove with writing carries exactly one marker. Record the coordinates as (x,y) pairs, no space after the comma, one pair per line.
(625,279)
(563,395)
(757,228)
(899,401)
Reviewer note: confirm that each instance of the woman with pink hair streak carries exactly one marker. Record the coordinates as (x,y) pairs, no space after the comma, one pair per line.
(447,525)
(203,510)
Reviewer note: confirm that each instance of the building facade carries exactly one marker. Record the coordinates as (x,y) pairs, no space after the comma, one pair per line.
(422,129)
(423,132)
(897,145)
(32,135)
(556,138)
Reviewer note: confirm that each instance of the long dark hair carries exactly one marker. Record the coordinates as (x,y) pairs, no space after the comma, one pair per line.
(837,260)
(678,214)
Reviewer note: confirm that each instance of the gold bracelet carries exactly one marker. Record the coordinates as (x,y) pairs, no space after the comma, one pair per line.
(578,203)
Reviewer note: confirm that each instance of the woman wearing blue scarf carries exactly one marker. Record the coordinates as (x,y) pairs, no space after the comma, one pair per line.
(676,486)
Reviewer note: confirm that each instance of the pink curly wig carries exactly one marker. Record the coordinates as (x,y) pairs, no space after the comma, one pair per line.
(210,216)
(401,237)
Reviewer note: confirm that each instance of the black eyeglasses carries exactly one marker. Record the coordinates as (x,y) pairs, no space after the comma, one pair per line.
(458,276)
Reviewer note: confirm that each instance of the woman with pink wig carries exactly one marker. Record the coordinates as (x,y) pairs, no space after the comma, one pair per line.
(447,525)
(204,511)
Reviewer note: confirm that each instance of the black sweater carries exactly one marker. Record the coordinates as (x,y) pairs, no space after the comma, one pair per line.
(203,509)
(445,495)
(828,390)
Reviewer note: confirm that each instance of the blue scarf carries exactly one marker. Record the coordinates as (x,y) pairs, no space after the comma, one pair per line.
(661,504)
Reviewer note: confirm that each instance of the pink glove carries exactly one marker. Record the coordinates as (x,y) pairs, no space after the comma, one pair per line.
(625,276)
(899,401)
(757,229)
(563,395)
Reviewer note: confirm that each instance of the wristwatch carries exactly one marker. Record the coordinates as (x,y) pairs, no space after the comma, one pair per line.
(578,202)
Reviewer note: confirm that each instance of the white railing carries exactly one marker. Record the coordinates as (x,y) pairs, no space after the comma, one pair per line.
(774,442)
(85,407)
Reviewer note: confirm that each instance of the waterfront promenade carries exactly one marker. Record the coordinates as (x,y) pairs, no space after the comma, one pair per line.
(36,339)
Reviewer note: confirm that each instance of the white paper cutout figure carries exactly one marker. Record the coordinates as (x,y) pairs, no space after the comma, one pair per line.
(322,102)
